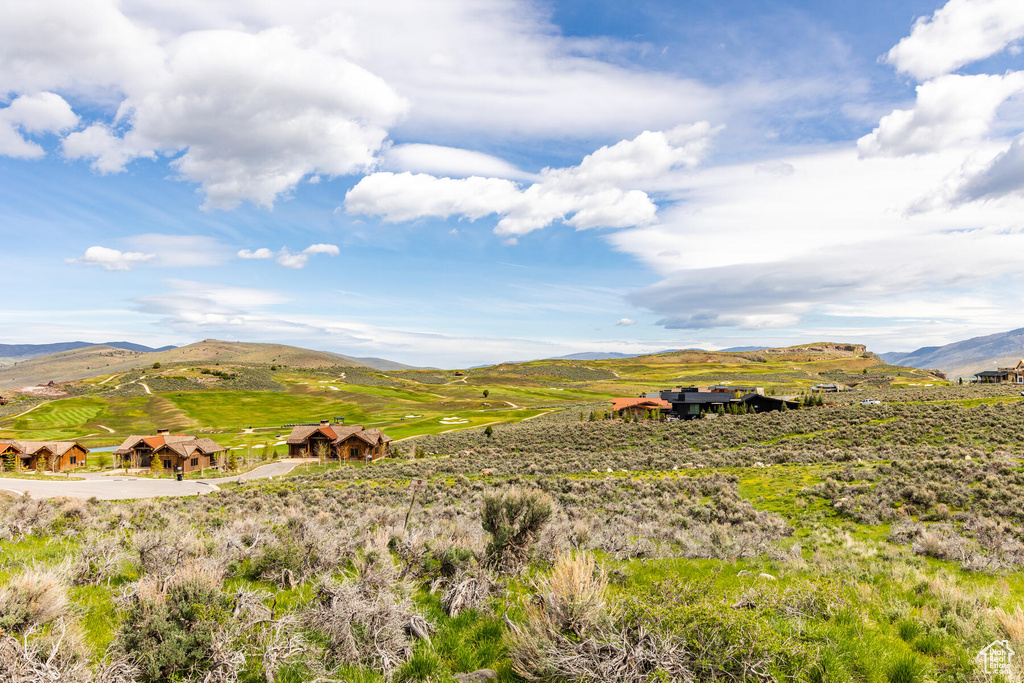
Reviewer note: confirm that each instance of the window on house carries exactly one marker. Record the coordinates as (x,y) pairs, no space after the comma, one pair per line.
(74,459)
(353,452)
(195,462)
(167,464)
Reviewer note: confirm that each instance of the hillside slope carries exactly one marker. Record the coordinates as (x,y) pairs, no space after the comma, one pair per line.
(13,352)
(91,361)
(964,358)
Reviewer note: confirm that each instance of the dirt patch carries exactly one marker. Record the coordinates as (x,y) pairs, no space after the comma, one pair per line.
(44,391)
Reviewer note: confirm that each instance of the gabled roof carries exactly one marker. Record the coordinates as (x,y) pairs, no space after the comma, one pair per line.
(4,445)
(302,433)
(54,447)
(182,444)
(370,436)
(187,448)
(337,433)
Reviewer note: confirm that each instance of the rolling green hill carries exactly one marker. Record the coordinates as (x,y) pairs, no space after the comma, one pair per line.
(226,388)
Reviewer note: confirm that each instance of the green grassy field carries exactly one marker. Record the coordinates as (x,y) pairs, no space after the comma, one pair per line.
(191,396)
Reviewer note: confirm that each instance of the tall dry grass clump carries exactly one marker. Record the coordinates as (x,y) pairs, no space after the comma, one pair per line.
(32,598)
(570,633)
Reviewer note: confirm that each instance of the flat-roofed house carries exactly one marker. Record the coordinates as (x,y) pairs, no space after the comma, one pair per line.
(688,403)
(189,453)
(338,442)
(1014,375)
(54,456)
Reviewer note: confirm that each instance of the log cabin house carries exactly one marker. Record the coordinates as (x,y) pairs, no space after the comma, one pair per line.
(9,456)
(52,456)
(338,442)
(177,452)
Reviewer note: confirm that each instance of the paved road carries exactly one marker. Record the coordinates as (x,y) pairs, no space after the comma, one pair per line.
(107,487)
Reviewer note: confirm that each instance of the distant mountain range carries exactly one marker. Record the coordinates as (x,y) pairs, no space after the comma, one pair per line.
(604,355)
(612,355)
(26,351)
(964,358)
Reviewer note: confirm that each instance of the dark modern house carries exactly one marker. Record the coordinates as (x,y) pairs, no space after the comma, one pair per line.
(1014,375)
(689,403)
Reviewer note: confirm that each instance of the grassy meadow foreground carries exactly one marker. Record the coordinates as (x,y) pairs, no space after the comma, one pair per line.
(853,543)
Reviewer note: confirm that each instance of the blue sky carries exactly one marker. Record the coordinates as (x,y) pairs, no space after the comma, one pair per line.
(455,183)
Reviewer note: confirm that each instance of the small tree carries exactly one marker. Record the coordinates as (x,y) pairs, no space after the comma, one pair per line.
(103,460)
(514,520)
(321,450)
(232,461)
(486,393)
(156,366)
(40,465)
(156,466)
(489,432)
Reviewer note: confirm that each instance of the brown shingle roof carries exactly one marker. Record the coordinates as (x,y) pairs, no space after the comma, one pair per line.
(55,447)
(181,444)
(302,433)
(337,433)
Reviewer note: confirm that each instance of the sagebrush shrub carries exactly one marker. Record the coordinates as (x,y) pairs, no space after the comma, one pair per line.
(514,520)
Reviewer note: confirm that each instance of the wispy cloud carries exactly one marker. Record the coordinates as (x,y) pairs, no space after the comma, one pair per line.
(111,259)
(289,259)
(157,251)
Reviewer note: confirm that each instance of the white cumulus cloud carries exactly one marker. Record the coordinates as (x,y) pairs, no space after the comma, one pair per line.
(158,251)
(111,259)
(600,192)
(44,112)
(262,253)
(625,322)
(285,257)
(949,110)
(252,115)
(960,32)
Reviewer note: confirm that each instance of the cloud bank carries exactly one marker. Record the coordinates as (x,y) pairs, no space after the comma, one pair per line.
(599,192)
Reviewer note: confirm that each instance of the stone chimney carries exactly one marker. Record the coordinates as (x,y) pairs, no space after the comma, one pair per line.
(325,423)
(163,432)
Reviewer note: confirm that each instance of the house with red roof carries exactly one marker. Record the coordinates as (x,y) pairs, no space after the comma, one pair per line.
(338,442)
(638,406)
